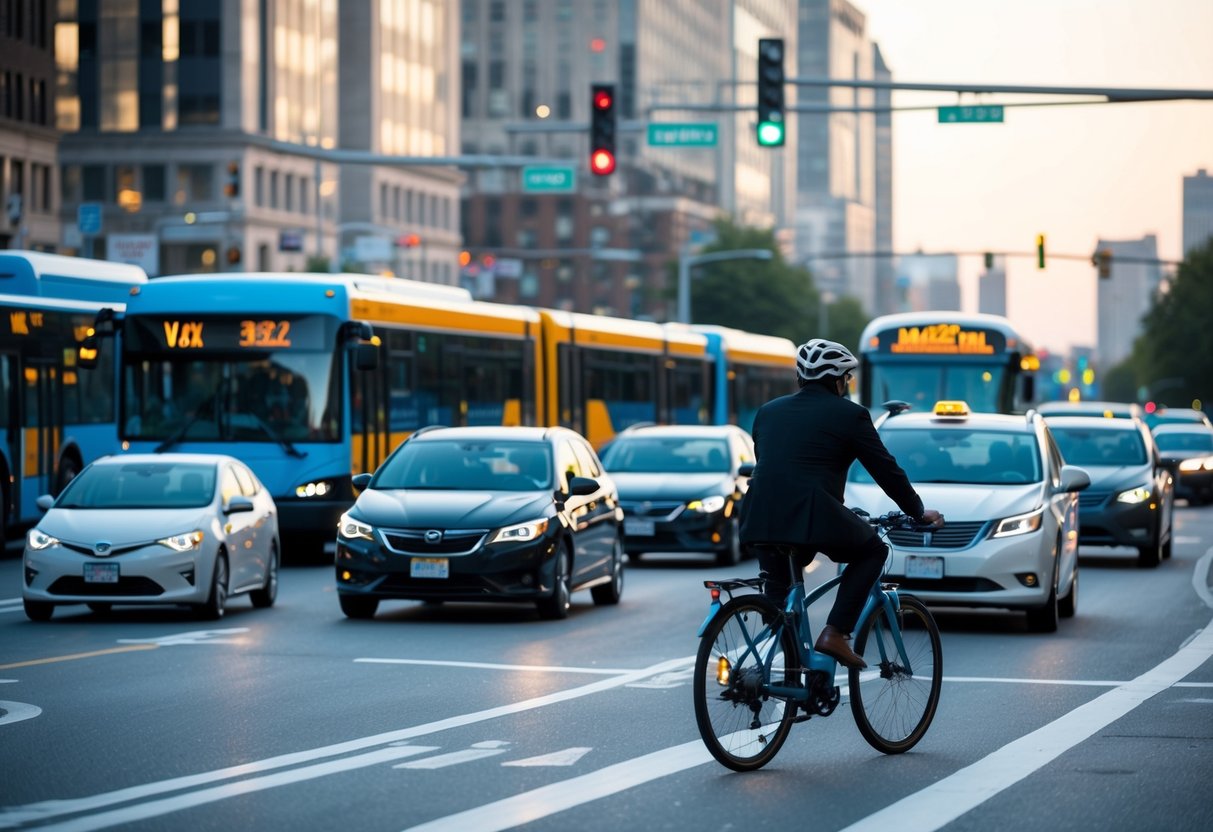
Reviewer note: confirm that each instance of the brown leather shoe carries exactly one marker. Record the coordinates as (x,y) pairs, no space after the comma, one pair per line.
(837,646)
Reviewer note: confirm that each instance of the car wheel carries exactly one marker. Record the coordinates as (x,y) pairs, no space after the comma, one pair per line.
(39,610)
(1150,555)
(1166,547)
(610,593)
(268,593)
(731,554)
(1044,619)
(216,603)
(100,607)
(557,605)
(1067,606)
(355,606)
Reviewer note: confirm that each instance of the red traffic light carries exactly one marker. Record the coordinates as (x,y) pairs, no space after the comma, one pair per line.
(602,100)
(602,162)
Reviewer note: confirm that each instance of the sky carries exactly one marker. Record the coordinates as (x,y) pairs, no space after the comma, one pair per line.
(1076,174)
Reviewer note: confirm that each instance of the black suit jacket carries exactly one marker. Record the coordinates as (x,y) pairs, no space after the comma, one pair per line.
(804,444)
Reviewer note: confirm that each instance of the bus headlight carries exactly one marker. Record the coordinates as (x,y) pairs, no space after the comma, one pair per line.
(350,528)
(317,488)
(1019,524)
(707,505)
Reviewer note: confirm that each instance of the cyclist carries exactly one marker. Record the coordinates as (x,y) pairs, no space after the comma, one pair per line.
(804,444)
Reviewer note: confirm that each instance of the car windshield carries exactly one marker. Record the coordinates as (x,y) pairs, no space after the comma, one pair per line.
(468,465)
(967,457)
(141,485)
(1190,441)
(1099,446)
(667,455)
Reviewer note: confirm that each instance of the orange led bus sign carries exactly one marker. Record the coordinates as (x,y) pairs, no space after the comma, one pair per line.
(945,339)
(234,334)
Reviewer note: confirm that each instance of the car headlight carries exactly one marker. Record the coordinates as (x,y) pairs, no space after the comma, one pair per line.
(349,527)
(316,488)
(1134,495)
(1019,524)
(707,505)
(1200,463)
(182,542)
(520,531)
(39,540)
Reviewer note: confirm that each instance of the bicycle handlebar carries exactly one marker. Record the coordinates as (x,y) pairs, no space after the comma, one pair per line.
(894,520)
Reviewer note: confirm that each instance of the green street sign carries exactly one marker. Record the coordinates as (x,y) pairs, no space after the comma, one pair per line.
(551,179)
(668,134)
(977,114)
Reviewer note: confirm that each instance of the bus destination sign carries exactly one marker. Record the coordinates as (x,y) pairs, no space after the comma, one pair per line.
(944,339)
(187,333)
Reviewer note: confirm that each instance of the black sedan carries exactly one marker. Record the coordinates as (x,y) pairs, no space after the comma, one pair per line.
(681,487)
(483,514)
(1187,449)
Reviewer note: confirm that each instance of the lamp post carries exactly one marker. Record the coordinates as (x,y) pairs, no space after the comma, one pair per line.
(688,261)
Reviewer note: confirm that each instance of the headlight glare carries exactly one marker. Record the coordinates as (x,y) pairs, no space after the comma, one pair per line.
(1019,524)
(182,542)
(707,505)
(520,531)
(1200,463)
(1134,495)
(350,528)
(318,488)
(38,540)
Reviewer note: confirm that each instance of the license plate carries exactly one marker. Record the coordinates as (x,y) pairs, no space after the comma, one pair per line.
(430,568)
(101,573)
(918,566)
(639,528)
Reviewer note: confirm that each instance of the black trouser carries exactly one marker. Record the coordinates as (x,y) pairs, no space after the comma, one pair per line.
(864,565)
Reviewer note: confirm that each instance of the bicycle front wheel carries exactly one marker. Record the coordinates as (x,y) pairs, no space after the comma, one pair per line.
(893,705)
(741,724)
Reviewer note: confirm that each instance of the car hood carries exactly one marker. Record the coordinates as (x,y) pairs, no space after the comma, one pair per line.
(1117,477)
(121,527)
(670,486)
(960,504)
(422,509)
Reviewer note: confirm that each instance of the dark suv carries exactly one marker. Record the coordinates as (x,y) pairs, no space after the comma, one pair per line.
(483,514)
(680,487)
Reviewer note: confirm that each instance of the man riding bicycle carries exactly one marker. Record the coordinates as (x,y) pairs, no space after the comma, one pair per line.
(804,445)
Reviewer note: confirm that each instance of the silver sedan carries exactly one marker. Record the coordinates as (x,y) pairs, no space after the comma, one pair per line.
(188,529)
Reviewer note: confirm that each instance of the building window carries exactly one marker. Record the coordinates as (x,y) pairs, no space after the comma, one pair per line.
(305,189)
(274,189)
(259,186)
(288,201)
(383,192)
(195,183)
(93,178)
(153,183)
(69,182)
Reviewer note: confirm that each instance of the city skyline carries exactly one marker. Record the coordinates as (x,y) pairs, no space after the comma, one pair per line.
(1076,174)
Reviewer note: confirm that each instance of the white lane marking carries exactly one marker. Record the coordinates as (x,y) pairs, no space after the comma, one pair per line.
(17,711)
(45,810)
(12,605)
(674,679)
(946,800)
(192,637)
(156,808)
(7,681)
(1184,539)
(4,601)
(567,757)
(557,797)
(600,671)
(477,752)
(1200,578)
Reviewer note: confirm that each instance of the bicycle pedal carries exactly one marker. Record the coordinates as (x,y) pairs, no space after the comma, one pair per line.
(802,718)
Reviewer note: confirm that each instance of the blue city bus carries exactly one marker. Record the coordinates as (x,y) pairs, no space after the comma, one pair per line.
(748,371)
(274,369)
(54,419)
(924,357)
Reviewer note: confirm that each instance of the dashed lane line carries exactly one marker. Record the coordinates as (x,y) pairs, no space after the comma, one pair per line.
(599,671)
(130,648)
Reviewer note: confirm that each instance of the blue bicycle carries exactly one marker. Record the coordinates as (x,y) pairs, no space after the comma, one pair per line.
(756,673)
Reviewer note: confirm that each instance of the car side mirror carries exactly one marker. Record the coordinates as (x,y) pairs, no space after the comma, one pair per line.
(746,469)
(1073,479)
(361,481)
(238,503)
(583,486)
(45,502)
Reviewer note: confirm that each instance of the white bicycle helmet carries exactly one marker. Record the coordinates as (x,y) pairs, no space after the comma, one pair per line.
(820,358)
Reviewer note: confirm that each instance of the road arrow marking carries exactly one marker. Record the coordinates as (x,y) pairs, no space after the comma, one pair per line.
(557,758)
(17,711)
(192,637)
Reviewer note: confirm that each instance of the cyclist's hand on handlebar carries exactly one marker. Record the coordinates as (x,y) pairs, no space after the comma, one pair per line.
(932,518)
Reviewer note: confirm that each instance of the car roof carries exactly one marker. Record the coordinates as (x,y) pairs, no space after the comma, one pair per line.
(192,458)
(1182,427)
(1093,422)
(705,431)
(1115,408)
(994,421)
(489,432)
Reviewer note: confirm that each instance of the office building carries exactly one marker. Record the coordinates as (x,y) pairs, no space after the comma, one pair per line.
(930,282)
(1198,210)
(992,287)
(29,198)
(1125,296)
(886,272)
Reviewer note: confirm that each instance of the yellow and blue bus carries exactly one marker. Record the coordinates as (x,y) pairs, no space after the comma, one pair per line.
(54,420)
(748,371)
(924,357)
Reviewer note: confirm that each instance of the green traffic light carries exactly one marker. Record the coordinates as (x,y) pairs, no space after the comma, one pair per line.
(770,133)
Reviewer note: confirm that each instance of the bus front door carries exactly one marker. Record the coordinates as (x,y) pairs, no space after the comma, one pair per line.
(41,426)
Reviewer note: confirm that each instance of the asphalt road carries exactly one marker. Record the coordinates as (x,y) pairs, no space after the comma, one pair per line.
(469,717)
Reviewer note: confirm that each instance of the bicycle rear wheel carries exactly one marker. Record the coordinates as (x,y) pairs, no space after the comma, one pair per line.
(892,706)
(741,725)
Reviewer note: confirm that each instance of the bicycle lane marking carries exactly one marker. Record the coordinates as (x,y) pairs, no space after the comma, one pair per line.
(50,809)
(946,800)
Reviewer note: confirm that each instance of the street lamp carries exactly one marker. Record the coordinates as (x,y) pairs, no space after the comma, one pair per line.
(688,261)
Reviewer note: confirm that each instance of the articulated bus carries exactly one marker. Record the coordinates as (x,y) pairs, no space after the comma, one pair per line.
(749,370)
(54,419)
(924,357)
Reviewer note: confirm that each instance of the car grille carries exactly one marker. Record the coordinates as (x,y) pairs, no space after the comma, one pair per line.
(945,584)
(655,511)
(1092,499)
(453,542)
(951,536)
(131,587)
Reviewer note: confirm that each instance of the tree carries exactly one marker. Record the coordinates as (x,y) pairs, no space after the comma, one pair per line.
(1177,341)
(845,322)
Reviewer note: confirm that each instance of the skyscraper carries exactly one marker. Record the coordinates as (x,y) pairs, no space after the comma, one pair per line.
(1125,296)
(886,272)
(992,288)
(1198,210)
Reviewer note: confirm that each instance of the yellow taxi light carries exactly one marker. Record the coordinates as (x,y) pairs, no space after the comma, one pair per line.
(951,408)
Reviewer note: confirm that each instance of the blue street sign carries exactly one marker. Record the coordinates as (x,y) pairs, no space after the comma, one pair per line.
(88,218)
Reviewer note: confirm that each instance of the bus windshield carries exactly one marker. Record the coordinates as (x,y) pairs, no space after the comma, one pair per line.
(274,396)
(923,384)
